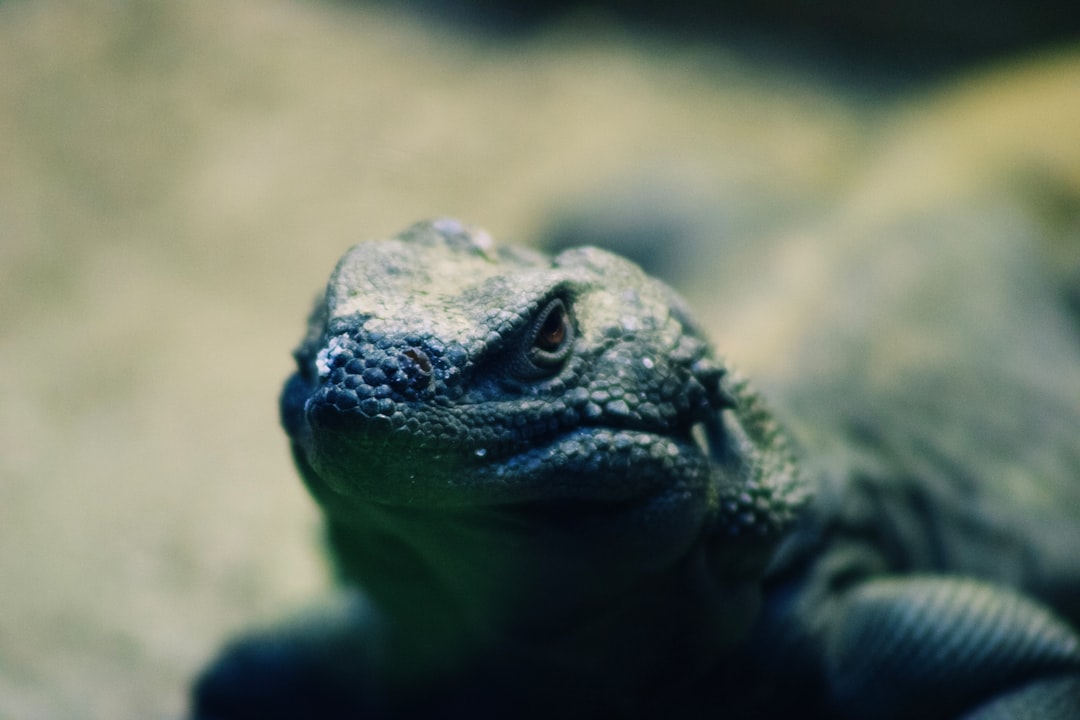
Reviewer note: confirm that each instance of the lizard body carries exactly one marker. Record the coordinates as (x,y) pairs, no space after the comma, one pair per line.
(559,501)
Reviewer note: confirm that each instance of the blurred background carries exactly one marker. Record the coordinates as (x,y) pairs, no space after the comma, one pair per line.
(177,180)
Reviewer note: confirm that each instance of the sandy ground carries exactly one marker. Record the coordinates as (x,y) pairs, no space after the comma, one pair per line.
(177,180)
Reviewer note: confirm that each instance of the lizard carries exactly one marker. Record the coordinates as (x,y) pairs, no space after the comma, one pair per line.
(549,496)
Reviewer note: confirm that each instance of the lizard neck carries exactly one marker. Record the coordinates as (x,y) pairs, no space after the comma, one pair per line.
(516,605)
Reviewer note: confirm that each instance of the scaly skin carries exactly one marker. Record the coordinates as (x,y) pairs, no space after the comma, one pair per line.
(559,502)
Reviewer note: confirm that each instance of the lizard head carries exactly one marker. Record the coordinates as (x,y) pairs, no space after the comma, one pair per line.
(565,414)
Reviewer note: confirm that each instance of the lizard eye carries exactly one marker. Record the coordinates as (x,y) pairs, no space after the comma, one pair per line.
(549,340)
(553,330)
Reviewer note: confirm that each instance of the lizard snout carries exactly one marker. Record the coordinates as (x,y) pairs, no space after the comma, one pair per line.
(371,378)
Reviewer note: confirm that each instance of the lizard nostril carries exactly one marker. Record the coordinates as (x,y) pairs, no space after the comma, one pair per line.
(417,365)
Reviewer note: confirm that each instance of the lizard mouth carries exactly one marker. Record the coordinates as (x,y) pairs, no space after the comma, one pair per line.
(403,450)
(645,492)
(587,465)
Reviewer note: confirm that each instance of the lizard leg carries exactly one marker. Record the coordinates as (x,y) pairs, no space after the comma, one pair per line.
(1056,698)
(316,667)
(928,646)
